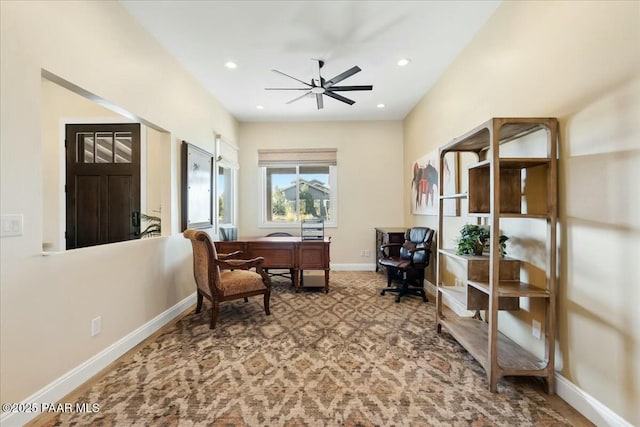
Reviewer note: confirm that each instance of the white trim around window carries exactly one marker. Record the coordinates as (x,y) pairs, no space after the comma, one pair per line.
(295,224)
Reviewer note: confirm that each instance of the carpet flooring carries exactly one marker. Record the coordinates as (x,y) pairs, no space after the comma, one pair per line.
(347,358)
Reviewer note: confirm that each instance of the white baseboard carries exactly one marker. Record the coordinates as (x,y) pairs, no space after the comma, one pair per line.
(587,405)
(429,287)
(68,382)
(354,267)
(454,305)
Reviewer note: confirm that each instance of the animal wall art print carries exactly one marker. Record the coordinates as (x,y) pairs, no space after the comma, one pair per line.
(424,184)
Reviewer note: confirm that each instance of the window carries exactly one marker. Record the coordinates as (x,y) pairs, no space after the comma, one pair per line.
(226,189)
(298,185)
(226,186)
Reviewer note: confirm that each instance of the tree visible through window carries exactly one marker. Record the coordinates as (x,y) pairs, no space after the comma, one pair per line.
(225,194)
(295,193)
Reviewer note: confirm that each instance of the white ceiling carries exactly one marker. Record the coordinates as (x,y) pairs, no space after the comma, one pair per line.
(286,35)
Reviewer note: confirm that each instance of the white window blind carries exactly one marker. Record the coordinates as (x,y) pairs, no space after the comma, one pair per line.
(298,156)
(227,154)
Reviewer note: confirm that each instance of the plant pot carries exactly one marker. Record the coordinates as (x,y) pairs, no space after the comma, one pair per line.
(479,249)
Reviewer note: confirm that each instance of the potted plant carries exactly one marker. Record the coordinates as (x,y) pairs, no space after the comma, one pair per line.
(153,228)
(475,238)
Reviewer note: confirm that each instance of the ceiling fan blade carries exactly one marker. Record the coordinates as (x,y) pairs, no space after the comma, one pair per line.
(286,88)
(340,77)
(299,97)
(291,77)
(319,101)
(345,88)
(340,98)
(318,65)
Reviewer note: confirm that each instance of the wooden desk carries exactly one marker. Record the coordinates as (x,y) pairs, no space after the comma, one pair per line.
(386,235)
(284,252)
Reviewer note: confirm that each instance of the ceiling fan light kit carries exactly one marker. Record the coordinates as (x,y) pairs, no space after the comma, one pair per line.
(319,86)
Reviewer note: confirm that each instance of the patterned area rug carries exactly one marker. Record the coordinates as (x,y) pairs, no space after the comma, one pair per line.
(347,358)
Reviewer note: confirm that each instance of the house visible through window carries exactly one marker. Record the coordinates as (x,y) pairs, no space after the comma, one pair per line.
(298,185)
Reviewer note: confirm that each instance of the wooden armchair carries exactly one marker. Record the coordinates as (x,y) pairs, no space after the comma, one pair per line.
(222,277)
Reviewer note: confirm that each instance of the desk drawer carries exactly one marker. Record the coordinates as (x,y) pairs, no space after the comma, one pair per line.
(314,256)
(275,256)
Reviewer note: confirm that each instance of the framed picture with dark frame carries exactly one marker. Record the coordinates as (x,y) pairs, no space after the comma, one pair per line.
(197,187)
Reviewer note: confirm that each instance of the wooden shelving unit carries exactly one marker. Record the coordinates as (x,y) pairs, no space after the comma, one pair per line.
(492,282)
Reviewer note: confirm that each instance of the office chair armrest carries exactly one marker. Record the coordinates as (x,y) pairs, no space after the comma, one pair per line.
(231,255)
(383,248)
(413,251)
(242,264)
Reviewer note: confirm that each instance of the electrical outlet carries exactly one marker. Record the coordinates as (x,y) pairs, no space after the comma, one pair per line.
(362,252)
(96,326)
(535,329)
(367,253)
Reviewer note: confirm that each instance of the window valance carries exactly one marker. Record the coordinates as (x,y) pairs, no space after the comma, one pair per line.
(298,156)
(226,153)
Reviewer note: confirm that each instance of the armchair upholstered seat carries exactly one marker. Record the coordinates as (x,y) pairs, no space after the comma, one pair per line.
(408,267)
(223,277)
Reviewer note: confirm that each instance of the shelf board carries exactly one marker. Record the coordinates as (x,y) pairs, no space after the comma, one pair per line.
(525,215)
(514,163)
(452,253)
(513,288)
(454,196)
(473,335)
(510,215)
(479,139)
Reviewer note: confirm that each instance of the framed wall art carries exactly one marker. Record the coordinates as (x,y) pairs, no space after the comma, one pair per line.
(197,187)
(424,184)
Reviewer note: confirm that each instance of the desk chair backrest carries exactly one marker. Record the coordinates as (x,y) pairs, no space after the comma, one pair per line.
(417,238)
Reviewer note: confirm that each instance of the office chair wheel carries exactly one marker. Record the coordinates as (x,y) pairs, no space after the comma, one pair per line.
(382,292)
(398,299)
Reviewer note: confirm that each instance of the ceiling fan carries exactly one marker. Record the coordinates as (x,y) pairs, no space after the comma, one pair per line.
(319,86)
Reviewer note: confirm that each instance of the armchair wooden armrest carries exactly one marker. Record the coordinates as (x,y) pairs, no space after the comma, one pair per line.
(241,264)
(231,255)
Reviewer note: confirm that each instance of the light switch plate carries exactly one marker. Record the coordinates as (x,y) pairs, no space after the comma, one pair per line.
(11,225)
(535,329)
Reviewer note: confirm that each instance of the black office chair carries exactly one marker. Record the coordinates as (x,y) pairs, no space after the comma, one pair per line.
(286,275)
(408,267)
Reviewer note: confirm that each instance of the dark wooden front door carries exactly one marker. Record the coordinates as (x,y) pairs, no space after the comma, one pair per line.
(102,183)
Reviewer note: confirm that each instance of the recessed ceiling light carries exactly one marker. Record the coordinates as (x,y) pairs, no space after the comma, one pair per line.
(380,105)
(403,62)
(231,65)
(259,107)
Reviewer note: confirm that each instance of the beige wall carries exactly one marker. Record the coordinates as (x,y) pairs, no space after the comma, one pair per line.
(369,178)
(580,62)
(47,303)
